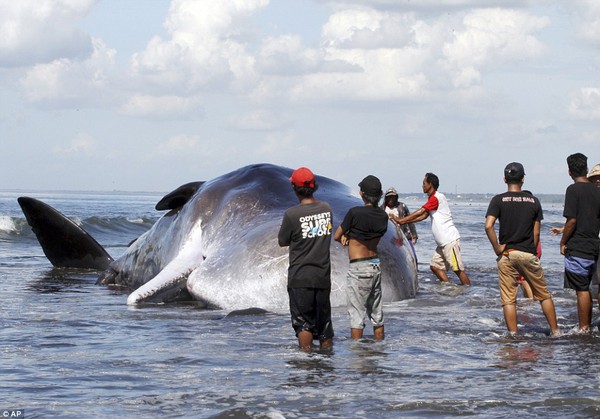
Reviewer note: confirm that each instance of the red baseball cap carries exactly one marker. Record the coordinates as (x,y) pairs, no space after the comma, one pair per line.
(303,178)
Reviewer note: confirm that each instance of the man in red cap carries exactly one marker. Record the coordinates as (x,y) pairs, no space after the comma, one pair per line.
(306,229)
(361,230)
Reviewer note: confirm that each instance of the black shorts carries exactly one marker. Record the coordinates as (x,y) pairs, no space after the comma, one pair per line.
(311,311)
(579,272)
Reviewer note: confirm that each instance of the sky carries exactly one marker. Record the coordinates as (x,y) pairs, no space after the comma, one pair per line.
(146,95)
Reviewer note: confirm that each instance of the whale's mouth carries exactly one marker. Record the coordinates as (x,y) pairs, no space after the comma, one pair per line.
(170,284)
(109,277)
(161,289)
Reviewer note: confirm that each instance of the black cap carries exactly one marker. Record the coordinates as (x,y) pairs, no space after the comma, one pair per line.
(371,186)
(514,171)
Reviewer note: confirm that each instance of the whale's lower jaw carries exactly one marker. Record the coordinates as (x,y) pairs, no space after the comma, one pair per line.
(170,290)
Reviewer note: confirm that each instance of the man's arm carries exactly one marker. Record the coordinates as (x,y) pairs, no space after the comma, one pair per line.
(413,232)
(415,217)
(411,226)
(490,220)
(284,237)
(536,232)
(568,231)
(283,242)
(339,236)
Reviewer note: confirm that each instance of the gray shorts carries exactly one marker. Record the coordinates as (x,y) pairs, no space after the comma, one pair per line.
(363,293)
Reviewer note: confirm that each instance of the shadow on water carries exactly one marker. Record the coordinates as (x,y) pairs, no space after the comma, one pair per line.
(312,369)
(367,357)
(58,280)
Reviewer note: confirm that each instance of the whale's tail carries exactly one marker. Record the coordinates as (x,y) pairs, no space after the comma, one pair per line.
(64,243)
(67,245)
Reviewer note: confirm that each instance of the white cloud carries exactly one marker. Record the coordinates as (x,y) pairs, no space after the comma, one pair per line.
(585,104)
(185,153)
(83,144)
(287,56)
(39,31)
(375,56)
(368,28)
(179,144)
(260,120)
(68,81)
(276,146)
(207,48)
(435,5)
(491,37)
(162,107)
(363,54)
(589,15)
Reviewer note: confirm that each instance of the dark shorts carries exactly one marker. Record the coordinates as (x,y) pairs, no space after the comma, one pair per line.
(311,311)
(578,273)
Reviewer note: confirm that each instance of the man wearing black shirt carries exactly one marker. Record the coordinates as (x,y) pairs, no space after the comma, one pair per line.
(579,243)
(361,230)
(306,229)
(520,216)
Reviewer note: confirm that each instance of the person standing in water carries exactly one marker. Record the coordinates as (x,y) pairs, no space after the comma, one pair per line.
(306,229)
(447,254)
(361,230)
(520,216)
(393,206)
(594,177)
(580,243)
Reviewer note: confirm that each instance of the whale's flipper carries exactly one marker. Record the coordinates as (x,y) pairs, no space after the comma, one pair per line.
(179,197)
(65,244)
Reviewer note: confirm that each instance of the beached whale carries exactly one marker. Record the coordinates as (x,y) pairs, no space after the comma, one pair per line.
(217,244)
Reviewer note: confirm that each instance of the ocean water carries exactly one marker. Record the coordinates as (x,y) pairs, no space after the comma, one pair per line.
(71,349)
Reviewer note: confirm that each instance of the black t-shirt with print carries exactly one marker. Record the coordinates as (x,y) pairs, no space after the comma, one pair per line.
(517,213)
(306,228)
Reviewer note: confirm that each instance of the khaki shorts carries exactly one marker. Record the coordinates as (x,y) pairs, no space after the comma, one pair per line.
(515,263)
(448,257)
